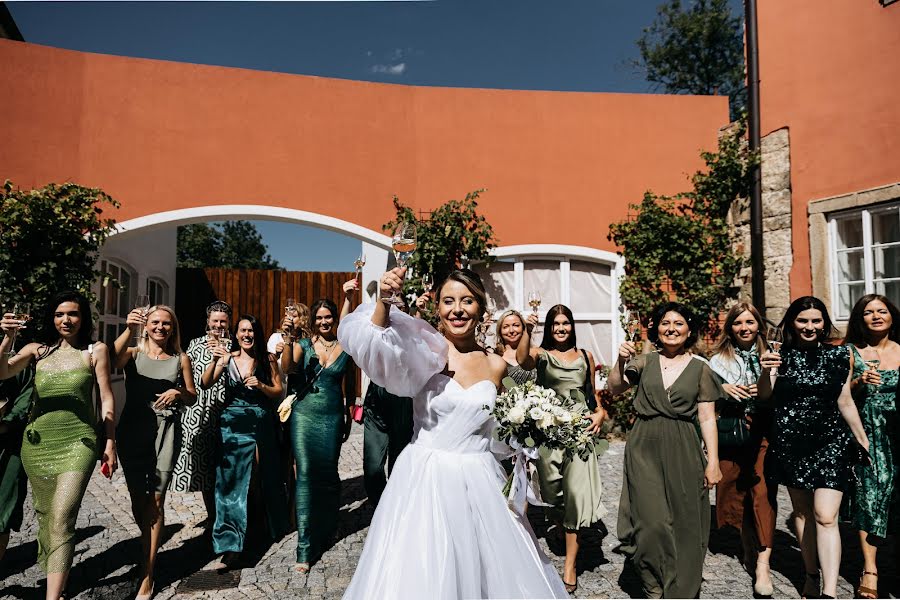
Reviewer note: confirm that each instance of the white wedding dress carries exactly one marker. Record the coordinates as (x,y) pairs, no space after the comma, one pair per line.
(442,528)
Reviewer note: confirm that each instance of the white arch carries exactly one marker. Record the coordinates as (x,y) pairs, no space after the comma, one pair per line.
(222,212)
(568,251)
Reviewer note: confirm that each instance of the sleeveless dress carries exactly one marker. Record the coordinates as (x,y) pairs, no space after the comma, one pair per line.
(247,426)
(570,484)
(872,504)
(810,438)
(148,439)
(664,510)
(18,392)
(315,426)
(195,467)
(59,451)
(442,529)
(520,375)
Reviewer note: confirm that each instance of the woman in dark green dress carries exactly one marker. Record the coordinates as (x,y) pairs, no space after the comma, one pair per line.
(664,508)
(873,333)
(15,394)
(811,448)
(158,381)
(322,376)
(248,442)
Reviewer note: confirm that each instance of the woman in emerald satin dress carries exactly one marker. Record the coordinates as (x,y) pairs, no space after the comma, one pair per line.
(59,448)
(248,443)
(873,333)
(664,508)
(322,376)
(570,484)
(158,381)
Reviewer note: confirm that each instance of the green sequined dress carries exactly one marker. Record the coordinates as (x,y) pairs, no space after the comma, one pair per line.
(872,504)
(59,452)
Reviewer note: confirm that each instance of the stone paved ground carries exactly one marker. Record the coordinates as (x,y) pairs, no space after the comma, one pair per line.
(106,551)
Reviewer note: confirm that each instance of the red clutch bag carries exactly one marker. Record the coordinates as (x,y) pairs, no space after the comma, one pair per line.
(357,413)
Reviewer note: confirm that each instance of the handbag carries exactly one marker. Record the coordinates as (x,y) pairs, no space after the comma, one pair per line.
(287,405)
(733,426)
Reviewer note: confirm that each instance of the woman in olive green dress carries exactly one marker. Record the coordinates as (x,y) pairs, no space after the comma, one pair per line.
(158,381)
(322,376)
(664,511)
(59,448)
(570,484)
(873,334)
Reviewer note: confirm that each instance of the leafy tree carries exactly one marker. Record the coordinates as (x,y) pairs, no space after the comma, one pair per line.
(680,247)
(453,235)
(228,245)
(50,238)
(696,48)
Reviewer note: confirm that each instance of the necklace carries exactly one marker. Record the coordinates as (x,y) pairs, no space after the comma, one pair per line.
(672,362)
(327,347)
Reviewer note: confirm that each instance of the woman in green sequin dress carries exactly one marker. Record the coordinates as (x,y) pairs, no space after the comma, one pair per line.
(322,376)
(873,333)
(59,448)
(570,484)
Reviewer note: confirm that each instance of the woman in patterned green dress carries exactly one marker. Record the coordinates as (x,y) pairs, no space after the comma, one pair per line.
(59,448)
(322,376)
(873,332)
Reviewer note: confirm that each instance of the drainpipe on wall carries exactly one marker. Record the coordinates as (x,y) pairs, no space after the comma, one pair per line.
(756,212)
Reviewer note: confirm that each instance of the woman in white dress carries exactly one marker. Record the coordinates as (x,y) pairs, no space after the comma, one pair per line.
(442,529)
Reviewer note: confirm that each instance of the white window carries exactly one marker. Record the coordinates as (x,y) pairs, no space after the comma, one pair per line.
(158,290)
(865,255)
(115,302)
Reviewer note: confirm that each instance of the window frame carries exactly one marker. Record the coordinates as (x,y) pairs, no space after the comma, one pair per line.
(126,293)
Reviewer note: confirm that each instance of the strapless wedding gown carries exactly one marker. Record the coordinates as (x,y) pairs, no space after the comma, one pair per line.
(442,528)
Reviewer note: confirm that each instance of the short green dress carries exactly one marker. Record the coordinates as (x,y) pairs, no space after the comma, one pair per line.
(664,512)
(570,484)
(872,503)
(59,451)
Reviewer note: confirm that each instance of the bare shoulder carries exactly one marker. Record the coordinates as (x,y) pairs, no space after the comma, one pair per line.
(496,363)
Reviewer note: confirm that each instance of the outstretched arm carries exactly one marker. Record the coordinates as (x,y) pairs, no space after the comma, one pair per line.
(526,356)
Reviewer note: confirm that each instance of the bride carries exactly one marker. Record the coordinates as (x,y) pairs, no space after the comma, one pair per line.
(442,528)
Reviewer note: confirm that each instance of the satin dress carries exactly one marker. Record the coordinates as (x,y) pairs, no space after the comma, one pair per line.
(443,529)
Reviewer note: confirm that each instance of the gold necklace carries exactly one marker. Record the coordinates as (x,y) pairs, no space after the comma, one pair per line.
(328,347)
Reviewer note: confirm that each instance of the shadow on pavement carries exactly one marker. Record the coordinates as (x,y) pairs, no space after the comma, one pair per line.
(19,559)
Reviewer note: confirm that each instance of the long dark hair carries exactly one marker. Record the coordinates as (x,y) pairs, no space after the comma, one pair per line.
(260,353)
(322,303)
(686,313)
(856,326)
(547,342)
(47,333)
(827,334)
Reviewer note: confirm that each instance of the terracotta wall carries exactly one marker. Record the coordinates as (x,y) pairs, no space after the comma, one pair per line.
(158,136)
(829,72)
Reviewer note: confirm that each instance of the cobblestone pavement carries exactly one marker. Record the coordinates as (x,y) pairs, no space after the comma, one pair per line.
(107,551)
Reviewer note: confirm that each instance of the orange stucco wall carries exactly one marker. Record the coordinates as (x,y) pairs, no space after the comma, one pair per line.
(830,72)
(158,136)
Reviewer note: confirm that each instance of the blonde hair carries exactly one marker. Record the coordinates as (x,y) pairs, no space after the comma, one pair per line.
(726,342)
(173,343)
(500,345)
(303,315)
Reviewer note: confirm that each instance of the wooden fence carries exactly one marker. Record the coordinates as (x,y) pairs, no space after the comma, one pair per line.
(258,292)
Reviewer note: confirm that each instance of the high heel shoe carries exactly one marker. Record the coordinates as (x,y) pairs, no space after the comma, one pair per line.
(148,595)
(811,585)
(762,589)
(867,592)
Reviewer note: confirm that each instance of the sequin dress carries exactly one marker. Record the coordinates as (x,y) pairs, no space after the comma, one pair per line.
(520,375)
(873,503)
(810,437)
(59,451)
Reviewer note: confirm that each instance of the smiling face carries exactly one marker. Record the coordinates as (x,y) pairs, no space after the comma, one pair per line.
(561,329)
(877,317)
(511,330)
(325,322)
(159,326)
(67,320)
(745,328)
(245,337)
(458,309)
(808,325)
(673,331)
(217,320)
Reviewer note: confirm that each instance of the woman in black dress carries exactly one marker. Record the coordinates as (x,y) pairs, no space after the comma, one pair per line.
(812,449)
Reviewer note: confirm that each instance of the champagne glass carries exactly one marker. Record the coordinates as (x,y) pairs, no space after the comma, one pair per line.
(404,245)
(21,313)
(534,300)
(427,282)
(289,312)
(872,364)
(774,339)
(633,326)
(212,334)
(358,264)
(224,339)
(142,303)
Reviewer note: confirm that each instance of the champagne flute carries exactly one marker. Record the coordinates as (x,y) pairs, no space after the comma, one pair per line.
(22,313)
(358,264)
(224,339)
(289,312)
(427,282)
(142,303)
(534,300)
(212,334)
(404,245)
(633,326)
(774,339)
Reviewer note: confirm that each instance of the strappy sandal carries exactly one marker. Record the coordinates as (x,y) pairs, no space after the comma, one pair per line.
(571,588)
(812,587)
(867,592)
(302,568)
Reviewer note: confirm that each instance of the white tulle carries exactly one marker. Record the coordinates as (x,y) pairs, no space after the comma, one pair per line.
(442,528)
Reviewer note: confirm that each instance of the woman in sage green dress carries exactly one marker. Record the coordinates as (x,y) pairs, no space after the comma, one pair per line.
(59,447)
(158,382)
(664,509)
(571,485)
(321,374)
(248,449)
(873,333)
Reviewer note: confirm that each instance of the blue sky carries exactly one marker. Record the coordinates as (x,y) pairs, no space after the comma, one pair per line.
(581,45)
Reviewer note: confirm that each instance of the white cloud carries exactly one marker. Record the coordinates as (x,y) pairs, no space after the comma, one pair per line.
(396,69)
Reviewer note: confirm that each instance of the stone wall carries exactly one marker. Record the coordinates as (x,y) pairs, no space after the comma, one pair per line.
(777,245)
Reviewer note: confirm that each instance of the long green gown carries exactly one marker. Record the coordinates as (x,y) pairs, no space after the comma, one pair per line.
(59,451)
(872,504)
(13,482)
(247,426)
(316,422)
(664,511)
(570,484)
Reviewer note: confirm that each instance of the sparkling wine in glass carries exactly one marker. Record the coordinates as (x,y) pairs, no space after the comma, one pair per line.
(633,326)
(872,364)
(534,300)
(427,282)
(224,339)
(404,245)
(142,303)
(22,310)
(212,334)
(774,339)
(358,264)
